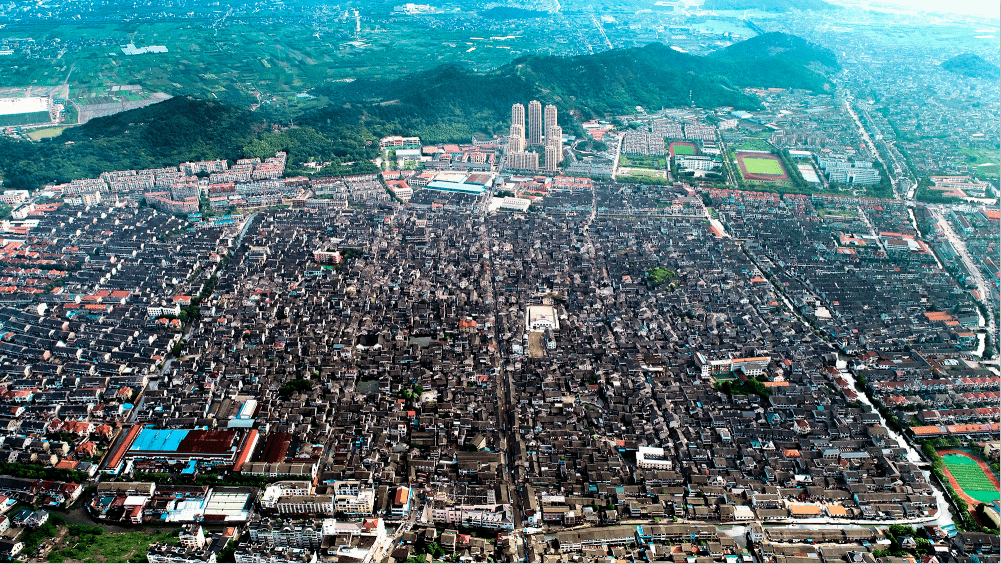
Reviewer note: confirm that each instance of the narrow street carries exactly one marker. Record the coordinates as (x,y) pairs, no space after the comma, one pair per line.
(957,243)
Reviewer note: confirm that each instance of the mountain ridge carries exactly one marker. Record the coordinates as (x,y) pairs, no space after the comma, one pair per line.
(450,102)
(445,104)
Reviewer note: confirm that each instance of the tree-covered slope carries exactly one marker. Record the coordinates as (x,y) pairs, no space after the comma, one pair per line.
(166,134)
(451,103)
(778,60)
(972,65)
(163,134)
(448,103)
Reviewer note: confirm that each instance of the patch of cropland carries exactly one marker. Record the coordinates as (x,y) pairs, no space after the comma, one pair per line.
(23,119)
(451,103)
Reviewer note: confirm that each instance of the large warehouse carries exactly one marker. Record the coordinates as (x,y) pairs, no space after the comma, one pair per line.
(25,110)
(161,449)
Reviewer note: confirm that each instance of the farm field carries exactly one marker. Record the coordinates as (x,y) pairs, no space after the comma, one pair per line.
(642,161)
(536,349)
(46,132)
(24,119)
(975,480)
(92,544)
(982,162)
(643,172)
(752,144)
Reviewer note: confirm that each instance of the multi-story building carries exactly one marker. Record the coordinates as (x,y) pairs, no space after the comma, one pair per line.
(535,124)
(516,142)
(305,505)
(552,157)
(274,492)
(864,176)
(192,536)
(486,516)
(327,256)
(13,197)
(295,534)
(83,199)
(550,118)
(398,142)
(163,202)
(401,502)
(161,310)
(209,167)
(554,143)
(518,116)
(523,160)
(752,367)
(352,497)
(652,458)
(695,162)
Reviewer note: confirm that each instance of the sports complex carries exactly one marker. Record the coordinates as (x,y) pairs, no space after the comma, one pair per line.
(760,166)
(970,476)
(681,148)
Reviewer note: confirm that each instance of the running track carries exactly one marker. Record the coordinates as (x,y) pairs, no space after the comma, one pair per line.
(955,485)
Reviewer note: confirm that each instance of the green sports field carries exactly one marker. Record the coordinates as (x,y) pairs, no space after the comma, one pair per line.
(971,477)
(763,166)
(682,148)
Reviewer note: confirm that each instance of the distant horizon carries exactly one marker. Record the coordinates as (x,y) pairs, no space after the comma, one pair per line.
(989,8)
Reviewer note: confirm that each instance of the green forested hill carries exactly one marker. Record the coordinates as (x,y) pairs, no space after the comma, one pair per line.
(778,60)
(166,134)
(972,65)
(448,103)
(451,103)
(163,134)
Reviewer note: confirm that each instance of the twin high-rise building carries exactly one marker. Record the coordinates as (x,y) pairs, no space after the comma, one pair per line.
(535,124)
(550,116)
(554,140)
(542,131)
(518,116)
(554,146)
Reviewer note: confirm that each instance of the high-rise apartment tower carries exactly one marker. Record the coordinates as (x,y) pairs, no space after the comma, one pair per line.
(518,116)
(535,125)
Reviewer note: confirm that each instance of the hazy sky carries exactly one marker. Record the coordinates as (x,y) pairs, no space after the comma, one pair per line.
(980,7)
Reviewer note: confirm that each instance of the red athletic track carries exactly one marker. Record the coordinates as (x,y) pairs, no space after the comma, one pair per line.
(973,503)
(765,177)
(679,143)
